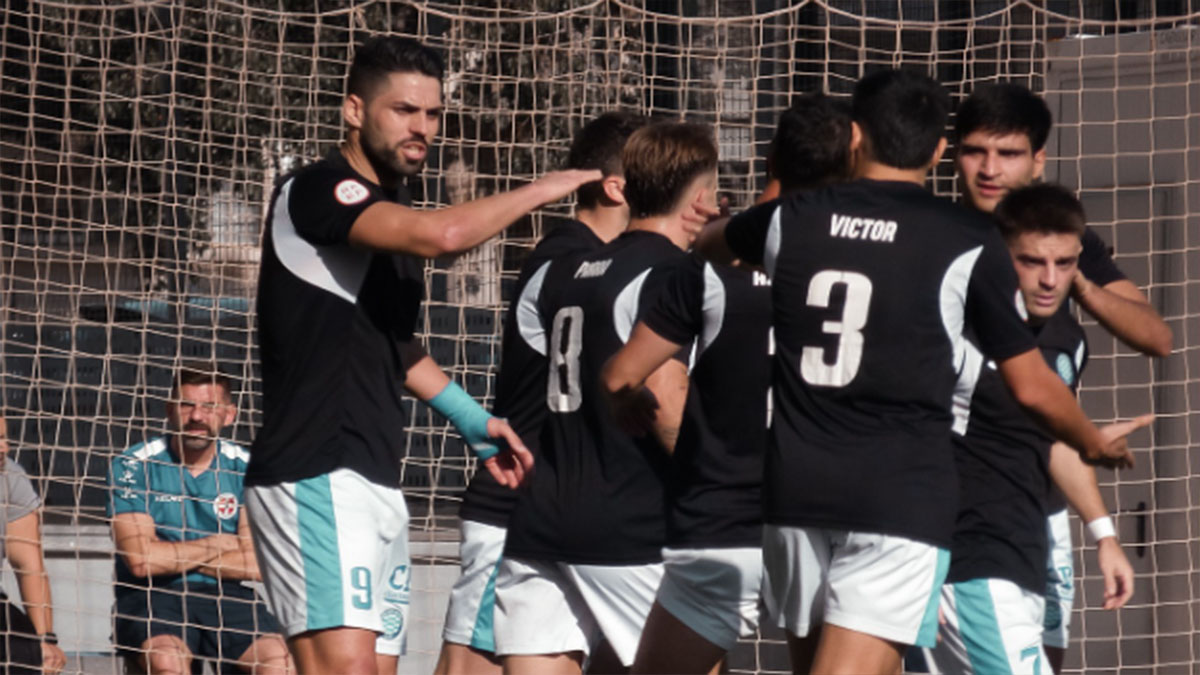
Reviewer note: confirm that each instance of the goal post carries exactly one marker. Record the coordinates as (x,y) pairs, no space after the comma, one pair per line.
(139,142)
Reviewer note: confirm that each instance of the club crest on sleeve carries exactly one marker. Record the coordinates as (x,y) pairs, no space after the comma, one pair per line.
(225,505)
(350,192)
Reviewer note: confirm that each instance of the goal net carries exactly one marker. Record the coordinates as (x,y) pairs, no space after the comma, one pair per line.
(139,140)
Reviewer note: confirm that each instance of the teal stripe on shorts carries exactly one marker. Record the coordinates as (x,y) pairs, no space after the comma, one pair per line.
(319,551)
(483,635)
(927,636)
(980,628)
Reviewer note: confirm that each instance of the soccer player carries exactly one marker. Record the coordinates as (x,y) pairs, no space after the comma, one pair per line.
(583,555)
(1002,131)
(993,600)
(601,214)
(339,291)
(712,578)
(873,282)
(183,541)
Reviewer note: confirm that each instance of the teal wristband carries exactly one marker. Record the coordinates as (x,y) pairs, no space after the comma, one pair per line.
(468,417)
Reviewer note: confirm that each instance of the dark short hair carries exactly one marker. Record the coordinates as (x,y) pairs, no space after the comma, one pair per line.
(598,145)
(380,56)
(661,160)
(903,114)
(201,372)
(811,146)
(1045,208)
(1004,108)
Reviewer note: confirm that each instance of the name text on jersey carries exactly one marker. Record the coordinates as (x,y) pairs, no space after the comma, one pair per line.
(866,229)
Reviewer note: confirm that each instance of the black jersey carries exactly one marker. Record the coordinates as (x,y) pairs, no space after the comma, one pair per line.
(597,496)
(1003,465)
(1095,261)
(719,452)
(873,283)
(333,320)
(521,383)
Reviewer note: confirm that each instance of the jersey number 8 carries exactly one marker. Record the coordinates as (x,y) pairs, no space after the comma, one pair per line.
(563,393)
(848,358)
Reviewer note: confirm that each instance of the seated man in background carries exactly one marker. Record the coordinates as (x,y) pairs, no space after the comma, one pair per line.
(29,644)
(183,541)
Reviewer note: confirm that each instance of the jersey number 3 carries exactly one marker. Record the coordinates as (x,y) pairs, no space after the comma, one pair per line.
(813,366)
(563,393)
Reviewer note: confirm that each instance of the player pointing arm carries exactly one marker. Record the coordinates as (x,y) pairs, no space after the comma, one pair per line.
(339,293)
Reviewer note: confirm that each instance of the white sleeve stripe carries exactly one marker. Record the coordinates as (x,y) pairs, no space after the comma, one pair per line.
(337,269)
(625,309)
(714,309)
(773,242)
(529,319)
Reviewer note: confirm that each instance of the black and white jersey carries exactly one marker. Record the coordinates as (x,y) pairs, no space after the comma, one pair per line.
(1095,261)
(521,383)
(597,496)
(332,321)
(719,453)
(873,283)
(1003,465)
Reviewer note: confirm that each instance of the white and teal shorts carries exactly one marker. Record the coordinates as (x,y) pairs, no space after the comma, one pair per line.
(1060,581)
(333,552)
(993,627)
(473,598)
(878,584)
(716,592)
(545,607)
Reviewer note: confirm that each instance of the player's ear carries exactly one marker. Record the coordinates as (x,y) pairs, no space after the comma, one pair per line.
(938,152)
(1039,163)
(229,413)
(856,137)
(614,189)
(354,110)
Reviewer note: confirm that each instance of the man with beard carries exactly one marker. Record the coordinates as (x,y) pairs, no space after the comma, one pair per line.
(183,542)
(338,299)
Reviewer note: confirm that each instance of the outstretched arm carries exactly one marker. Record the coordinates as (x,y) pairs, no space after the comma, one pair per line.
(1043,394)
(387,226)
(1123,310)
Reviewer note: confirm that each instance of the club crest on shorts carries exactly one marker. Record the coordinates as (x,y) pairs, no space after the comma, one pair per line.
(393,623)
(350,192)
(225,505)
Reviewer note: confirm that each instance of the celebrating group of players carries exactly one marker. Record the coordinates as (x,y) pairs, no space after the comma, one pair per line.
(844,401)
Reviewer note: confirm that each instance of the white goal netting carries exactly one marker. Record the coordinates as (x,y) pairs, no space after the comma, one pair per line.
(138,141)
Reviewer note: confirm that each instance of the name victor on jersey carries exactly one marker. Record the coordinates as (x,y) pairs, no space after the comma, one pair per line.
(867,229)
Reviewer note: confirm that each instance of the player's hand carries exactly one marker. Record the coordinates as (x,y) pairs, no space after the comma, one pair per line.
(53,658)
(558,184)
(1116,454)
(698,214)
(1118,573)
(634,410)
(1081,285)
(514,461)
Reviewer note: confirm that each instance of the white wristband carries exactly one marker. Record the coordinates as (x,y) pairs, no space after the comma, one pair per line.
(1101,527)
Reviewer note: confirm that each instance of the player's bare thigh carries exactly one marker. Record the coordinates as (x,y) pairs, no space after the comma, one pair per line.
(335,650)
